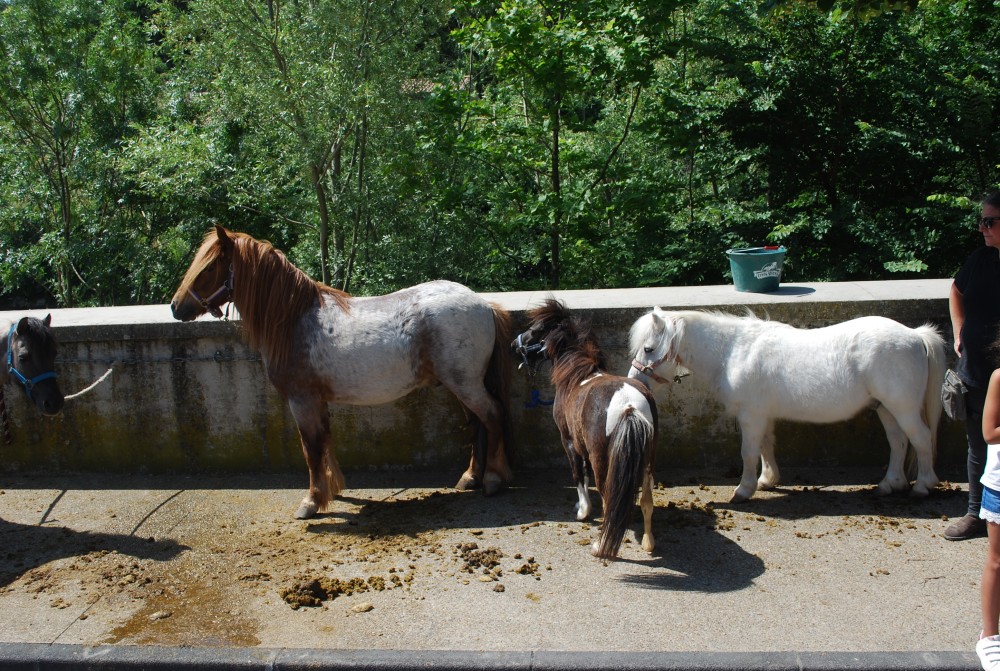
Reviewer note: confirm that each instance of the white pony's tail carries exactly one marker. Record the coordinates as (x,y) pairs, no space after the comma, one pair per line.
(629,448)
(937,364)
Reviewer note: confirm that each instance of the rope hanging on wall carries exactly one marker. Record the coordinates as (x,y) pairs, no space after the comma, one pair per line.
(85,390)
(5,417)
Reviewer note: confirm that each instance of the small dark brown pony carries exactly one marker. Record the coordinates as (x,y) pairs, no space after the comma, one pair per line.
(29,353)
(608,421)
(320,345)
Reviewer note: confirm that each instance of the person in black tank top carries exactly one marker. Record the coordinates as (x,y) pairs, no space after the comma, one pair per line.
(974,304)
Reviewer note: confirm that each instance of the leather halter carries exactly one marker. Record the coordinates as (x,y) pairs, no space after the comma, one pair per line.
(27,383)
(649,369)
(225,291)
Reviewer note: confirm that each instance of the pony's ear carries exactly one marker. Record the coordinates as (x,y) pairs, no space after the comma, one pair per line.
(22,325)
(225,240)
(658,323)
(48,320)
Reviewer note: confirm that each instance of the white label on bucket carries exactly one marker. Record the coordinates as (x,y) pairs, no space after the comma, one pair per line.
(770,270)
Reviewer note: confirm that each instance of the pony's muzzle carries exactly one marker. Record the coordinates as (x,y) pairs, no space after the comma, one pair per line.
(47,398)
(51,407)
(173,310)
(182,311)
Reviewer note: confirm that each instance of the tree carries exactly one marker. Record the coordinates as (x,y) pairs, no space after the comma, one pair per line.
(551,72)
(308,86)
(73,76)
(506,144)
(833,133)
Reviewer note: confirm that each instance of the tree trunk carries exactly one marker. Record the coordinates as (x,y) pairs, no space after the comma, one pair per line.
(324,223)
(554,271)
(66,215)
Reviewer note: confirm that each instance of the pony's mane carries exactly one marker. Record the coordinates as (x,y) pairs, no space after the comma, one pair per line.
(570,344)
(272,294)
(749,319)
(269,292)
(642,327)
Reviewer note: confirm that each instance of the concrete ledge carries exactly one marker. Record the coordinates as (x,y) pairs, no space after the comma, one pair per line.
(191,397)
(111,658)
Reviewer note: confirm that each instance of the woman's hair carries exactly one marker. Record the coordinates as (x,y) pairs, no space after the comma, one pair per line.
(992,198)
(993,351)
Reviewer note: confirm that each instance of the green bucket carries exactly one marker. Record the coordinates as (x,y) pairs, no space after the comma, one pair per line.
(756,269)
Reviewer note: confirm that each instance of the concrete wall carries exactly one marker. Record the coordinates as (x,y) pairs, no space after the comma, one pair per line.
(193,398)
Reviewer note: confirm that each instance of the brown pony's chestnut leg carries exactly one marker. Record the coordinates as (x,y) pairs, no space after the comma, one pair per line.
(325,477)
(495,472)
(488,466)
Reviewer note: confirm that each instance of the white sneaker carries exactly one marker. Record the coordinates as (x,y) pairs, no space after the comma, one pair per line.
(988,650)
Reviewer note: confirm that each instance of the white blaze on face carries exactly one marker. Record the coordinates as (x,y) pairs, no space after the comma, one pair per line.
(623,399)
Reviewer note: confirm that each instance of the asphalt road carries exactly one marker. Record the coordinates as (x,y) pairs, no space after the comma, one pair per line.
(404,572)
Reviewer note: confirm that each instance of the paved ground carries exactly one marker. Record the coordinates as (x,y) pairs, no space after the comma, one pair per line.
(406,572)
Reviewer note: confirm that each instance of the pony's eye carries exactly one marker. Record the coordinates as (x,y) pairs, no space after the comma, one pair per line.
(647,349)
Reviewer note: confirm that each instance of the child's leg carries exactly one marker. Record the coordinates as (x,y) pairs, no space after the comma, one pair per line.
(990,591)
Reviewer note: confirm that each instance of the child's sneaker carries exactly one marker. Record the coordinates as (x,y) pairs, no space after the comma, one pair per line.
(988,649)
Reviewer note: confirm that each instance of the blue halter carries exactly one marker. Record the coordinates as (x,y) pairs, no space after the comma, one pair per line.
(29,384)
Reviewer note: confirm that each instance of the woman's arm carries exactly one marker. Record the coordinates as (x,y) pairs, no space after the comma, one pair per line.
(956,308)
(991,411)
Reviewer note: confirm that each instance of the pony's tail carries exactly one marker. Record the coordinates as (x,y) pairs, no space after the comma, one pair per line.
(497,381)
(937,364)
(630,443)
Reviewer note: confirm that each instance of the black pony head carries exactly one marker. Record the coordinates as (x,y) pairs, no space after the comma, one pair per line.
(31,353)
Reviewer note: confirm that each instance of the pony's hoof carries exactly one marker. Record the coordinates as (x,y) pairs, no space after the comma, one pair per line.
(739,496)
(885,488)
(305,511)
(492,484)
(648,544)
(766,485)
(466,483)
(925,487)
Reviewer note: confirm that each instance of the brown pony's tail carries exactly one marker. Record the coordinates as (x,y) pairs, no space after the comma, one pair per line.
(628,445)
(497,381)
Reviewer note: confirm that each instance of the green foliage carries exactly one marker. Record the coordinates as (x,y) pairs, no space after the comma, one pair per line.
(557,87)
(505,144)
(74,77)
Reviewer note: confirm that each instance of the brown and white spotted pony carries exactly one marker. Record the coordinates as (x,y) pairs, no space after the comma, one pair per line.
(29,353)
(321,345)
(605,420)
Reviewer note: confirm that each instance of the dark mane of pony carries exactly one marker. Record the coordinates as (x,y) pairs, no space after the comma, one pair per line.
(272,294)
(570,344)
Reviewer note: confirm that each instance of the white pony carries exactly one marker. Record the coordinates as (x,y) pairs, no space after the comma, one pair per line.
(763,371)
